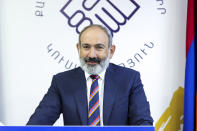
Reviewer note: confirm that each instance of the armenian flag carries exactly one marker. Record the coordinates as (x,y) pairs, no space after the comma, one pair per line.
(190,91)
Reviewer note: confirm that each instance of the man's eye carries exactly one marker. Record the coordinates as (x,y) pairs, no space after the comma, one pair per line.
(86,46)
(99,47)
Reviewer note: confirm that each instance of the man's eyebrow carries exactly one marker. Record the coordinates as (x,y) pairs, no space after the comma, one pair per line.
(100,44)
(85,44)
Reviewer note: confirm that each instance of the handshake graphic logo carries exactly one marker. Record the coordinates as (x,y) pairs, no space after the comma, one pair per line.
(110,13)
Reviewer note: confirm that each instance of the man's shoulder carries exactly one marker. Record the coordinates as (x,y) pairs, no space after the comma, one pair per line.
(121,69)
(69,73)
(122,75)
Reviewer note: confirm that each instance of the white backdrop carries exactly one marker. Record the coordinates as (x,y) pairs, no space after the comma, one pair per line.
(37,42)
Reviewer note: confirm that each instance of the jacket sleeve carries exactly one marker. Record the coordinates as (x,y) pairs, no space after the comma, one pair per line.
(49,108)
(139,110)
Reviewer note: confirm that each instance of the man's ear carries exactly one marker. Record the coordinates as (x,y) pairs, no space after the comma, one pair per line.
(112,50)
(78,46)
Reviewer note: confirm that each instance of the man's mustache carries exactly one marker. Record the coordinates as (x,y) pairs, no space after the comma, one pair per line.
(89,59)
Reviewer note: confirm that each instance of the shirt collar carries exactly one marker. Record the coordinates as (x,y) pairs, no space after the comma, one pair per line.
(101,75)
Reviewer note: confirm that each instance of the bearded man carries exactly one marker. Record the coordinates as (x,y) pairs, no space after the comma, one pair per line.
(98,92)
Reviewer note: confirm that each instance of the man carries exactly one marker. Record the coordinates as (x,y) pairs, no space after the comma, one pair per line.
(98,92)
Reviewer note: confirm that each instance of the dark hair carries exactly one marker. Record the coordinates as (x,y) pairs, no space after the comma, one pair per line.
(108,33)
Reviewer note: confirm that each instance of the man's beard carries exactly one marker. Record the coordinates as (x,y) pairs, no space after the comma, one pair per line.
(96,69)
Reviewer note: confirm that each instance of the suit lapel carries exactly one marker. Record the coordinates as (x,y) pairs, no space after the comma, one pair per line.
(109,94)
(80,95)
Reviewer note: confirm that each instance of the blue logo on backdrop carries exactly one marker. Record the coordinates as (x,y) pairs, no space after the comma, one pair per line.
(110,13)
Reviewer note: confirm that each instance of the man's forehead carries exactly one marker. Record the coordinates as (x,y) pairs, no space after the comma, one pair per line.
(94,35)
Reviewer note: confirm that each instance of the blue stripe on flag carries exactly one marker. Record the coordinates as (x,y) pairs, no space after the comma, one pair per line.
(189,93)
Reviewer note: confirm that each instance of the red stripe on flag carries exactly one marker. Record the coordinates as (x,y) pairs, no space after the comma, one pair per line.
(190,25)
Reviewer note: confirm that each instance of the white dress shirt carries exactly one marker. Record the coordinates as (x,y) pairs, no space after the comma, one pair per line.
(101,91)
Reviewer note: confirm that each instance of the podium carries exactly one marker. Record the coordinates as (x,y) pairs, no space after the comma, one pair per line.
(76,128)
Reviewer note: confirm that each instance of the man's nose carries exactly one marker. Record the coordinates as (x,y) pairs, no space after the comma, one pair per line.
(92,53)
